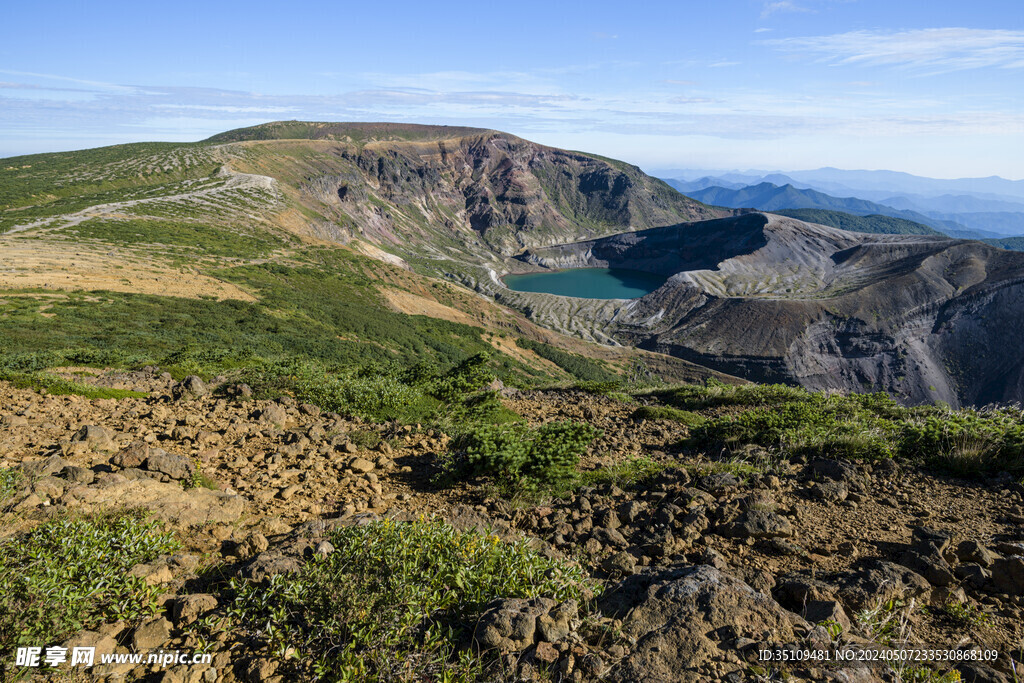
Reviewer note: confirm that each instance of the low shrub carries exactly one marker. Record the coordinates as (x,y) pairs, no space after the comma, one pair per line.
(68,574)
(395,601)
(582,368)
(715,394)
(520,457)
(814,425)
(690,419)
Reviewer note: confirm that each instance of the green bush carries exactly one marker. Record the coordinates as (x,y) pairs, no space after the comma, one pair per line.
(814,425)
(523,458)
(715,394)
(469,376)
(381,397)
(685,417)
(69,574)
(966,442)
(394,601)
(582,368)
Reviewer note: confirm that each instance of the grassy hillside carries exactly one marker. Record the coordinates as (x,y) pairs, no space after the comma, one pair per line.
(228,257)
(875,223)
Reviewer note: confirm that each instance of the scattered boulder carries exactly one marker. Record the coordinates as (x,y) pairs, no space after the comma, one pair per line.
(188,608)
(174,466)
(757,524)
(95,437)
(132,455)
(360,465)
(676,614)
(190,387)
(510,624)
(151,634)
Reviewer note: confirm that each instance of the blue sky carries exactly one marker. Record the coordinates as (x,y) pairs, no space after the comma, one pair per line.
(932,88)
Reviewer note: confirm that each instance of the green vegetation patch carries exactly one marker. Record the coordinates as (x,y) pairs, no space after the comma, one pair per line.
(582,368)
(10,480)
(686,417)
(68,574)
(59,386)
(207,239)
(623,473)
(395,601)
(791,420)
(521,458)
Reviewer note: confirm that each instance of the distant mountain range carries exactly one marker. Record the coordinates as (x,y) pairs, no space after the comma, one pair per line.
(968,207)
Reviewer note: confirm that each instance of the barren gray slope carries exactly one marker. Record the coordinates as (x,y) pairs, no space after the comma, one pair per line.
(773,298)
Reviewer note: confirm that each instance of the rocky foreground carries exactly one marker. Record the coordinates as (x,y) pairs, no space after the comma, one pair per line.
(703,566)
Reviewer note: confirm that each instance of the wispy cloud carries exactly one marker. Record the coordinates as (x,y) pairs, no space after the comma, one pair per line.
(776,6)
(96,85)
(936,50)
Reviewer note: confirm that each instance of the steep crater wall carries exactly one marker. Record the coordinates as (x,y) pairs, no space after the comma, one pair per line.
(774,299)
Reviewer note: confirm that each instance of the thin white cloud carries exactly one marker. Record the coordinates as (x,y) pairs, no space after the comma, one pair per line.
(776,6)
(936,50)
(227,108)
(95,84)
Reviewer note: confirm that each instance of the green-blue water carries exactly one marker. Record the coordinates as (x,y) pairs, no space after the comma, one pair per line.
(588,283)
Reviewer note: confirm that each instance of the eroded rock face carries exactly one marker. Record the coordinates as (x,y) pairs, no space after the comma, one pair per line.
(674,614)
(845,309)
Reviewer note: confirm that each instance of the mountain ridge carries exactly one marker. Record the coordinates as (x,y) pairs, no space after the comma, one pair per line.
(471,208)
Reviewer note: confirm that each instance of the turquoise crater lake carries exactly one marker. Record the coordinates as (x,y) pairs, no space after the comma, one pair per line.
(588,283)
